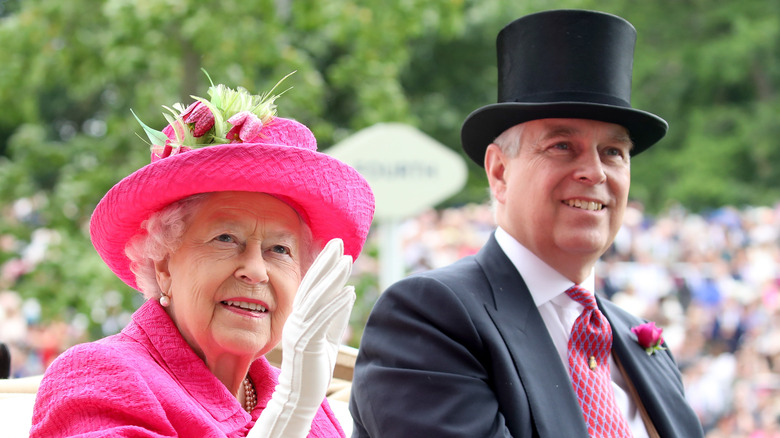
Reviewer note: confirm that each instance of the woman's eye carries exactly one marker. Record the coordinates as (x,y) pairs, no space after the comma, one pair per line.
(279,249)
(224,238)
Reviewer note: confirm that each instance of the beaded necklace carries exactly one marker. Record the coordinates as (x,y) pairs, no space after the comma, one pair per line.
(250,396)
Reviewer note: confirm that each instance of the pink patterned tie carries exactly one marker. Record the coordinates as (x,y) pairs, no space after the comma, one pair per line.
(589,348)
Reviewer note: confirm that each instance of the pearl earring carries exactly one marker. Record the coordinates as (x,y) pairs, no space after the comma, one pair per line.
(165,301)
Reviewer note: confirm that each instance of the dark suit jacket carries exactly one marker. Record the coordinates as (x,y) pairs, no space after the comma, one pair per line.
(463,352)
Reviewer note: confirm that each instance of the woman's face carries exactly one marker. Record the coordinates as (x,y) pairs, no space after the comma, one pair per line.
(233,279)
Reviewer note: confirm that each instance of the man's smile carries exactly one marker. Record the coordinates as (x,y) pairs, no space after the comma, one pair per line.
(585,205)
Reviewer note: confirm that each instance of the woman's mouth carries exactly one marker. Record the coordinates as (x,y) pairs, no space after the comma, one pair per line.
(247,306)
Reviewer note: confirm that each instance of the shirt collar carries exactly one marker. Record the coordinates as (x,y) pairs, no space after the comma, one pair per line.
(543,281)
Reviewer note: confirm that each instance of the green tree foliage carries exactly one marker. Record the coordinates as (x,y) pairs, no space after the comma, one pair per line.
(72,70)
(712,69)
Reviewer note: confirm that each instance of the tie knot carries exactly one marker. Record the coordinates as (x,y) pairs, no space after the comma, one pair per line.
(582,296)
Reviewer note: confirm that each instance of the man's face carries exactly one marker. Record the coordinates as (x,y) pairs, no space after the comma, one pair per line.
(564,192)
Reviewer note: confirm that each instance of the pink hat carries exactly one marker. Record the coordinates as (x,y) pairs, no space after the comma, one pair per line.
(234,142)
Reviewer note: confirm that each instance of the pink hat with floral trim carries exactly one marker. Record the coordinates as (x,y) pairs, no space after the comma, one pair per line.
(234,142)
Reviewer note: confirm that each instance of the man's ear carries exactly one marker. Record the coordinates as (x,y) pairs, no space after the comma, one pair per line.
(163,275)
(495,168)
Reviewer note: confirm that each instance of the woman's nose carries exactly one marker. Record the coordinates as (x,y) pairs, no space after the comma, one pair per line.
(252,267)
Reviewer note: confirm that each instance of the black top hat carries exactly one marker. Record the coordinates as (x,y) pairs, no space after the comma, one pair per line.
(563,64)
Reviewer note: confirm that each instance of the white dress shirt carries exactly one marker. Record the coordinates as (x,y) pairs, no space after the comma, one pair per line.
(548,287)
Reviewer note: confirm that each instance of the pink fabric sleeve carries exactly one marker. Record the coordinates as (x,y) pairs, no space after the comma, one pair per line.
(325,424)
(87,392)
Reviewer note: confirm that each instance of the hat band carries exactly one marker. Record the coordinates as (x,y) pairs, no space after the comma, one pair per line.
(572,96)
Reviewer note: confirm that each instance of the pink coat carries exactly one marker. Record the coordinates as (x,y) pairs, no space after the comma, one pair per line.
(147,382)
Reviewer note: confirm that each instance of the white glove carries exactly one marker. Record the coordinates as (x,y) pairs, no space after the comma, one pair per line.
(310,344)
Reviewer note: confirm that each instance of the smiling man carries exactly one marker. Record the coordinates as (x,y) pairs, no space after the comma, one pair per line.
(512,342)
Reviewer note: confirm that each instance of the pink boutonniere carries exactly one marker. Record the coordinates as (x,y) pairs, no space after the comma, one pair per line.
(649,337)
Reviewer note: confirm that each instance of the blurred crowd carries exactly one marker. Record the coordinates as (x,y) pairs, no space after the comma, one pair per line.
(710,280)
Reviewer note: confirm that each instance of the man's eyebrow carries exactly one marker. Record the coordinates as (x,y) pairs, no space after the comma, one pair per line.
(622,137)
(568,131)
(559,131)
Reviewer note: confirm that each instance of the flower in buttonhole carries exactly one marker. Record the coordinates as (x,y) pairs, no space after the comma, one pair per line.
(228,116)
(649,337)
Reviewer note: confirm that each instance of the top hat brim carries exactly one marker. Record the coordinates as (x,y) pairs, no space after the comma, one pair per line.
(483,125)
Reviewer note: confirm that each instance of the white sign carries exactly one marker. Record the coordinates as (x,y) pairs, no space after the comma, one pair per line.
(407,170)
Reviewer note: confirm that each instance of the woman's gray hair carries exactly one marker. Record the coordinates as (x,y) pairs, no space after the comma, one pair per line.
(162,236)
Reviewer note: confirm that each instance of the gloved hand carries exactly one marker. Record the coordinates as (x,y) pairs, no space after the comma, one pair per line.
(310,344)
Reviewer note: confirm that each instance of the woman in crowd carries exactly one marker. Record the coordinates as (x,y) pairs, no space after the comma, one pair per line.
(221,233)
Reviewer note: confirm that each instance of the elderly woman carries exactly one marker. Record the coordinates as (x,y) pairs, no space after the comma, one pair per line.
(221,233)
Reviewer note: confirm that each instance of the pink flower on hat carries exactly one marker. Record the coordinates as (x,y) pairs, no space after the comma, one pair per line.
(246,127)
(228,116)
(170,146)
(200,118)
(649,337)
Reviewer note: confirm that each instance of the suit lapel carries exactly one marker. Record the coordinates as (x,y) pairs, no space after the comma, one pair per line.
(542,375)
(656,378)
